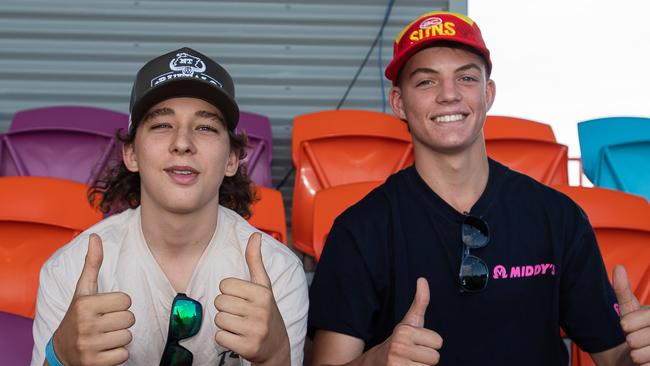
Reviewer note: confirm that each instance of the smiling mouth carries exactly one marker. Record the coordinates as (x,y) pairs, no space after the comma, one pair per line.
(450,118)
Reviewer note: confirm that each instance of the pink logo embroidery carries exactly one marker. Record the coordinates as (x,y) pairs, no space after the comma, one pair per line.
(617,310)
(500,271)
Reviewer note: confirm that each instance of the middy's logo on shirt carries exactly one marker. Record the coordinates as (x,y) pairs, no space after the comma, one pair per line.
(534,270)
(185,65)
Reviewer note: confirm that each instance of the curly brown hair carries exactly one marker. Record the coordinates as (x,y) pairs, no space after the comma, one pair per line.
(116,188)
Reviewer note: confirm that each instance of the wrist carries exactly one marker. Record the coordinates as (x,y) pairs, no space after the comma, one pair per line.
(281,357)
(50,354)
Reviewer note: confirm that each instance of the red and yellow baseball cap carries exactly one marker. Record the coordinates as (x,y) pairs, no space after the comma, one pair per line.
(435,27)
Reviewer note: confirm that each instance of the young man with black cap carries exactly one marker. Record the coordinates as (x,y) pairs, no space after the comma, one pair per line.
(179,278)
(459,260)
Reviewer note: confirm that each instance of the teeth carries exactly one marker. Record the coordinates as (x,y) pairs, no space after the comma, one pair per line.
(449,118)
(182,172)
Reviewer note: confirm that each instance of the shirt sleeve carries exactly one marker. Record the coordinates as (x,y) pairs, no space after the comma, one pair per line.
(52,301)
(587,300)
(343,294)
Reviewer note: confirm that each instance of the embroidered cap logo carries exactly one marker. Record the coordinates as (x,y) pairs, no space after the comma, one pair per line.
(187,64)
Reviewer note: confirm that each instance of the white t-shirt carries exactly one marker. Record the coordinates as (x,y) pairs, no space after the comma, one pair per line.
(129,266)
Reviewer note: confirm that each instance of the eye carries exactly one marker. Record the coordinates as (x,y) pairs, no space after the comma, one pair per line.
(160,125)
(207,128)
(468,79)
(424,82)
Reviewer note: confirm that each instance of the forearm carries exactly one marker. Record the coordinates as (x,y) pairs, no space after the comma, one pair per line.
(617,356)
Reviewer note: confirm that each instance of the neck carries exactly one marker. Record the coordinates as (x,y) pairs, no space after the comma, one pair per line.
(170,234)
(459,179)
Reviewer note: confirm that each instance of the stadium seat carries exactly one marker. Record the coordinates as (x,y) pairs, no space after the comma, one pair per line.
(259,155)
(63,142)
(331,148)
(528,147)
(615,153)
(37,216)
(329,203)
(16,340)
(502,127)
(268,213)
(620,221)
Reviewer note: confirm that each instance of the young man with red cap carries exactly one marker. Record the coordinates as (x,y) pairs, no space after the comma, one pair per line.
(459,260)
(179,278)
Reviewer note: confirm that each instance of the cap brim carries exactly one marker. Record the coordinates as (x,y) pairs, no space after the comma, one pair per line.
(394,67)
(192,88)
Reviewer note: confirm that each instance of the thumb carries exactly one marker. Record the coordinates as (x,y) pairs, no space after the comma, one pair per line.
(415,315)
(627,302)
(87,284)
(254,261)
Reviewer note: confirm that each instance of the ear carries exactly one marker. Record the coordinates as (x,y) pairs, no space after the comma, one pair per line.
(129,158)
(490,93)
(396,102)
(232,164)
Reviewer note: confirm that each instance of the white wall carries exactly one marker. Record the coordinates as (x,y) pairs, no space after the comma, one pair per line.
(566,61)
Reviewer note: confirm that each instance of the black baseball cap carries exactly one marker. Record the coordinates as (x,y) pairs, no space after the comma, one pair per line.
(183,73)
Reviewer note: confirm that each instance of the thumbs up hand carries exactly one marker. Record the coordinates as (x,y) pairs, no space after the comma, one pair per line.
(248,318)
(94,330)
(635,318)
(410,343)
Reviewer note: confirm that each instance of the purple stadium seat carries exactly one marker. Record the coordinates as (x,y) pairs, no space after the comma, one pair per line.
(16,340)
(64,142)
(258,160)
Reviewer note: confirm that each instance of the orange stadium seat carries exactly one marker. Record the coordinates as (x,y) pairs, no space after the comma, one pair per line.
(620,221)
(37,216)
(528,147)
(331,202)
(268,213)
(336,147)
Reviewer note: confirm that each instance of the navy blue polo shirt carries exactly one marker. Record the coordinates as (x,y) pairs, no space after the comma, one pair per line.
(545,272)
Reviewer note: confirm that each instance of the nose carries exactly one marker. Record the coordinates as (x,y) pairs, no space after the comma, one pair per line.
(448,92)
(182,142)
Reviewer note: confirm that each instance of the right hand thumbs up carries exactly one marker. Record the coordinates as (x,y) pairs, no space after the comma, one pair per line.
(94,329)
(411,342)
(415,315)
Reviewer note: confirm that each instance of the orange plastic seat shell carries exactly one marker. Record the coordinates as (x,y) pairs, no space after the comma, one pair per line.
(337,147)
(330,203)
(38,215)
(528,147)
(268,213)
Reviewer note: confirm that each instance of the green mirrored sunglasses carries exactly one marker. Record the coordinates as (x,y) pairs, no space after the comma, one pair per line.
(184,322)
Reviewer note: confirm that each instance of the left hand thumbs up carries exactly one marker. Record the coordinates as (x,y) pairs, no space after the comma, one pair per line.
(635,319)
(248,318)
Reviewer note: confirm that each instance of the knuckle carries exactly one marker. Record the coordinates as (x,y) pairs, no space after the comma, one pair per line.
(129,337)
(122,355)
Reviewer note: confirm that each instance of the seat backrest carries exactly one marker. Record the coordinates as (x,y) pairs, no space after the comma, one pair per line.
(545,161)
(16,341)
(502,127)
(626,167)
(331,148)
(70,117)
(37,216)
(268,213)
(329,203)
(260,153)
(596,134)
(622,227)
(64,142)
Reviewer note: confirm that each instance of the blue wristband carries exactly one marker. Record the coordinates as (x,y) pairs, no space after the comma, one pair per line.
(50,356)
